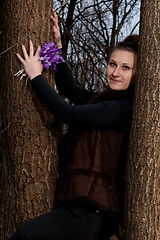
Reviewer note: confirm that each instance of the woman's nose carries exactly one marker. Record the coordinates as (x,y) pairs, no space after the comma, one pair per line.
(116,72)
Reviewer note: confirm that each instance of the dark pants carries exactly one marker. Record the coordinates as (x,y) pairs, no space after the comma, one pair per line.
(73,223)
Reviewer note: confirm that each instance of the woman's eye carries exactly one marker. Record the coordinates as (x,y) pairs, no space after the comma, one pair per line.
(112,64)
(126,67)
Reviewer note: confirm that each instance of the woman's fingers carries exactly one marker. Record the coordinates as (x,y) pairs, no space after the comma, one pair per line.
(20,58)
(54,18)
(31,49)
(54,13)
(38,51)
(56,29)
(24,52)
(31,53)
(32,64)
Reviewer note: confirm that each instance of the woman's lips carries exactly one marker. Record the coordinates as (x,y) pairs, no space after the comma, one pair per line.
(114,80)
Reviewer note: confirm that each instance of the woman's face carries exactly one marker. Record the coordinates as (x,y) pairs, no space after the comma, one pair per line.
(121,69)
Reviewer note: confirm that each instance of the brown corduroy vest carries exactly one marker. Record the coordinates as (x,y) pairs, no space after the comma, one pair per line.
(90,170)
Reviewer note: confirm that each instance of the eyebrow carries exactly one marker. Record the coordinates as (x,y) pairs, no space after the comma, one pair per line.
(128,64)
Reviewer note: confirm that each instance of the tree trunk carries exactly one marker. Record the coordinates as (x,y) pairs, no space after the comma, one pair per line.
(29,159)
(143,170)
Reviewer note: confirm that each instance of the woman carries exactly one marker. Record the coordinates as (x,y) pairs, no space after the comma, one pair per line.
(92,154)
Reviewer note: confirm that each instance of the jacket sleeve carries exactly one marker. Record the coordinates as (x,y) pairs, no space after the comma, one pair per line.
(66,86)
(108,114)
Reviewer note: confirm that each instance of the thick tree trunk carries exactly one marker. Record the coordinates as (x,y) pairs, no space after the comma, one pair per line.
(29,165)
(143,170)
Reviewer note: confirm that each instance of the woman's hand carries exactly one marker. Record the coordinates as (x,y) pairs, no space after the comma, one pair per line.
(32,63)
(56,30)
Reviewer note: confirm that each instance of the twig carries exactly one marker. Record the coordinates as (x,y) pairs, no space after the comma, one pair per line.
(5,128)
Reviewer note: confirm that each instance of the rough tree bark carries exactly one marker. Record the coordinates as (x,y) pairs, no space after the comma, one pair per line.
(29,165)
(143,170)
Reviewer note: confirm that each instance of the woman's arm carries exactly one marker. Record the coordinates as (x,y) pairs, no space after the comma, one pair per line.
(68,88)
(63,78)
(108,114)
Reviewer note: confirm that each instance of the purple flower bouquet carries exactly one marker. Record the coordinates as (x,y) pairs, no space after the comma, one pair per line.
(50,56)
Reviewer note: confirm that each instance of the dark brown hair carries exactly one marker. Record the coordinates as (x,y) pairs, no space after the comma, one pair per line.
(130,44)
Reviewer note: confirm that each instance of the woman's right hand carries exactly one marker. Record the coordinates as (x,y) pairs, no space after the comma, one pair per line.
(56,30)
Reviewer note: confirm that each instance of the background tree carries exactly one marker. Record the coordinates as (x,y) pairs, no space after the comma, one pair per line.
(29,165)
(94,30)
(143,171)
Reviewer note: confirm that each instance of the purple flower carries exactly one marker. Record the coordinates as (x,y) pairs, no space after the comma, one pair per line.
(50,56)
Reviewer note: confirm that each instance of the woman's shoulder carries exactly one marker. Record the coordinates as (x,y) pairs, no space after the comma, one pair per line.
(111,95)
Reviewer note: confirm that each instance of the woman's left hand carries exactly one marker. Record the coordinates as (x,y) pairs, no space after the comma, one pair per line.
(32,63)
